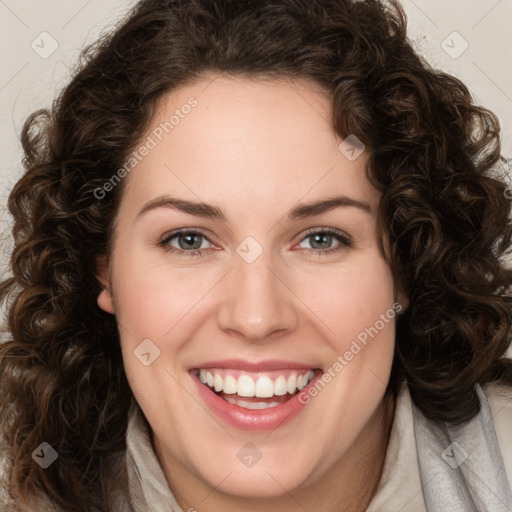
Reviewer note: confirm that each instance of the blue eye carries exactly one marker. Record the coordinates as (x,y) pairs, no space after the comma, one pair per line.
(187,243)
(324,237)
(191,243)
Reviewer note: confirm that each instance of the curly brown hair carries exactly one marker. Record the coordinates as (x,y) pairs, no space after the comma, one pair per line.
(444,213)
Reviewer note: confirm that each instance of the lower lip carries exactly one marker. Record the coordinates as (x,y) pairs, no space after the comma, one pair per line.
(252,419)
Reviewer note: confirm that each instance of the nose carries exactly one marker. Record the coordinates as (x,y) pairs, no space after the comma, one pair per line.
(257,304)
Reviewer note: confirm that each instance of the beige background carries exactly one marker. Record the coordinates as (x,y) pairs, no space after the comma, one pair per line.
(29,78)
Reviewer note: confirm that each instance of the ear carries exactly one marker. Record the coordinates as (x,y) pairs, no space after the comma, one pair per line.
(104,299)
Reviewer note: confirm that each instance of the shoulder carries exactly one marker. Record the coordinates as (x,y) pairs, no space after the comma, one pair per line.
(499,397)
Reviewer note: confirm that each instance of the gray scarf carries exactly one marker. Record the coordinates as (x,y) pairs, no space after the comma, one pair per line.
(462,468)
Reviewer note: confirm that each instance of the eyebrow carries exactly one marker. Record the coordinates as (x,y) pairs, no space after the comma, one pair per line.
(301,211)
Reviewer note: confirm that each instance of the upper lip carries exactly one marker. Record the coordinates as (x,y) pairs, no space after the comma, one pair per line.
(252,366)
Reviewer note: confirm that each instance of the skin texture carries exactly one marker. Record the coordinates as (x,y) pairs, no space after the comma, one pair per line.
(255,149)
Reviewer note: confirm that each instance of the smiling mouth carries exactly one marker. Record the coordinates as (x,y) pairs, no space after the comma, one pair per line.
(260,390)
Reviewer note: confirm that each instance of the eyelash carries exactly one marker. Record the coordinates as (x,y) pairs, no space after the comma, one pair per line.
(344,240)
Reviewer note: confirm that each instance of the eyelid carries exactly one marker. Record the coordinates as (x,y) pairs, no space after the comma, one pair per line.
(325,229)
(345,241)
(198,231)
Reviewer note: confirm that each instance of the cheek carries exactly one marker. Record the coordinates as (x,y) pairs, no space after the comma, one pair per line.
(153,297)
(351,298)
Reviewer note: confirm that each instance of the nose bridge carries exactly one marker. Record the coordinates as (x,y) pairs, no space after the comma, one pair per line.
(256,302)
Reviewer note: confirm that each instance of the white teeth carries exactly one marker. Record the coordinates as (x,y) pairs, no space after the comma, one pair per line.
(264,387)
(280,386)
(245,386)
(217,382)
(229,385)
(292,383)
(250,405)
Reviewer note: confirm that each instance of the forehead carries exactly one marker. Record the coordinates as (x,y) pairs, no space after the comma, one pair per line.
(259,140)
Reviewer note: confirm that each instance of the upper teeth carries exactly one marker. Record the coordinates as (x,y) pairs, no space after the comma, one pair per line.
(263,386)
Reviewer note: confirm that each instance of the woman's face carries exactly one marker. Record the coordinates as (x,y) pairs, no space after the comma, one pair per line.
(262,289)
